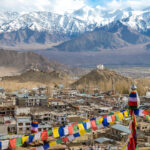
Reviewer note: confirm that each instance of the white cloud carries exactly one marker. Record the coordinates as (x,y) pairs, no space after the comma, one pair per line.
(58,6)
(120,4)
(61,6)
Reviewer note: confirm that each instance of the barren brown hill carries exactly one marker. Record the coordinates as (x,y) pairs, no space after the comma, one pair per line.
(40,77)
(23,61)
(104,80)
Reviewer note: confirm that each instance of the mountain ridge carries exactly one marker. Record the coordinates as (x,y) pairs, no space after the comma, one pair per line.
(55,28)
(114,36)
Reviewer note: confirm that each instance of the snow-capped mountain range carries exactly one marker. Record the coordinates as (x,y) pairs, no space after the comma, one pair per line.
(19,25)
(84,19)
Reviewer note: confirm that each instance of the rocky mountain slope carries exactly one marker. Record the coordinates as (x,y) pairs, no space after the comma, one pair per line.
(29,60)
(114,36)
(93,41)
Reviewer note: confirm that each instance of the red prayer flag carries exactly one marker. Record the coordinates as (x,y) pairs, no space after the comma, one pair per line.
(44,135)
(93,123)
(105,116)
(145,112)
(65,139)
(12,143)
(131,145)
(70,128)
(75,123)
(113,118)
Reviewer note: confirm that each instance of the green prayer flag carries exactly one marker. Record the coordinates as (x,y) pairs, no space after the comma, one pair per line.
(128,112)
(116,117)
(50,132)
(59,141)
(75,128)
(97,121)
(89,130)
(111,113)
(19,141)
(146,116)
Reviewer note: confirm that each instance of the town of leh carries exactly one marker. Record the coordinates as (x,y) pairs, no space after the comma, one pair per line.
(75,74)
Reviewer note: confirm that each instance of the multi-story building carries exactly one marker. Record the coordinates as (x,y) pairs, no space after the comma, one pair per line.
(7,111)
(23,124)
(58,117)
(31,101)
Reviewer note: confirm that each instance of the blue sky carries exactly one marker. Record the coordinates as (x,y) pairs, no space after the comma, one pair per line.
(61,6)
(94,3)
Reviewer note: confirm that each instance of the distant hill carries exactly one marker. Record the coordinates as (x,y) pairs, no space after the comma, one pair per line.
(23,61)
(39,77)
(104,80)
(93,41)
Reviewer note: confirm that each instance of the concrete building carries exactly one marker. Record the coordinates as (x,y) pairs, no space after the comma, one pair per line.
(143,126)
(21,111)
(7,111)
(57,104)
(3,130)
(31,101)
(41,115)
(119,132)
(23,124)
(58,117)
(44,126)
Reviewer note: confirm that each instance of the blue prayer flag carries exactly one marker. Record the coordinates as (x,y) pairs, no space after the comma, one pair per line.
(76,135)
(46,146)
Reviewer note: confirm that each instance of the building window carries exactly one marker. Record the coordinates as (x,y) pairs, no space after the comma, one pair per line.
(20,124)
(20,129)
(28,124)
(28,129)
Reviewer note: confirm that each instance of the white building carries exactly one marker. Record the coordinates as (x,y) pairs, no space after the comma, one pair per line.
(23,124)
(100,67)
(148,94)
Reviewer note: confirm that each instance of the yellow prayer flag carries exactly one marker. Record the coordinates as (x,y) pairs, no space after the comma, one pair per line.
(81,129)
(55,132)
(116,113)
(125,146)
(100,120)
(80,126)
(24,139)
(120,116)
(82,132)
(86,120)
(111,123)
(53,143)
(126,113)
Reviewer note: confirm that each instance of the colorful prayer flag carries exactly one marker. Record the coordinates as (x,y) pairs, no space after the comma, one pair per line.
(44,135)
(12,143)
(55,132)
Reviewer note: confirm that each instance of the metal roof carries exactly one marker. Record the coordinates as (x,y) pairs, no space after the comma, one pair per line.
(121,128)
(103,139)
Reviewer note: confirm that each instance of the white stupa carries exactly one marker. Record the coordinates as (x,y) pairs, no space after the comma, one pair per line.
(100,67)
